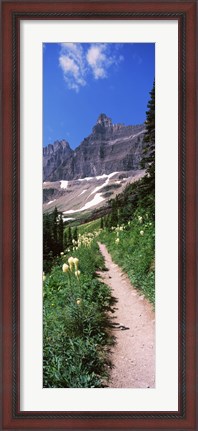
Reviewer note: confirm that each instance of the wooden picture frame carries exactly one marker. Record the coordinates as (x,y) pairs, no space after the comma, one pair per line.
(12,13)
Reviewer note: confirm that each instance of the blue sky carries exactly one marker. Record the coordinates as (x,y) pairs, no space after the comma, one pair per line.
(82,80)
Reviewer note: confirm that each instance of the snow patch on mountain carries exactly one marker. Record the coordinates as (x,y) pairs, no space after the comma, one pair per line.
(95,201)
(82,192)
(63,184)
(105,183)
(50,202)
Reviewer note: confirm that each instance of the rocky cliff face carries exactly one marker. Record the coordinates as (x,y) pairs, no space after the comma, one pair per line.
(109,148)
(54,156)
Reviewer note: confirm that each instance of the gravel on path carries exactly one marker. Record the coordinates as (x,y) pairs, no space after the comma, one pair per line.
(133,355)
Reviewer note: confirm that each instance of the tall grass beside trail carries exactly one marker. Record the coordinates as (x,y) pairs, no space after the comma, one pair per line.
(89,227)
(132,247)
(75,330)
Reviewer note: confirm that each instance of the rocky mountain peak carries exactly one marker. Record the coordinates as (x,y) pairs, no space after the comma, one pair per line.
(58,146)
(61,145)
(104,121)
(54,155)
(103,125)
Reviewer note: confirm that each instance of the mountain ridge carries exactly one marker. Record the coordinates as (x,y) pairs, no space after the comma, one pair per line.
(109,148)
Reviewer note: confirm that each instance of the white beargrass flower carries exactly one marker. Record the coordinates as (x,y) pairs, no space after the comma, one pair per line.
(71,262)
(77,273)
(65,267)
(76,262)
(142,232)
(117,240)
(78,301)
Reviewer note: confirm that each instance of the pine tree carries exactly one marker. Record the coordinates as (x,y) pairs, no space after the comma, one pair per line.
(60,232)
(147,184)
(65,239)
(114,213)
(149,137)
(75,234)
(69,237)
(47,236)
(55,220)
(107,221)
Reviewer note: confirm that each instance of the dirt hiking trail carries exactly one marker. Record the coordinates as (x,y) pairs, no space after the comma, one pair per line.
(133,325)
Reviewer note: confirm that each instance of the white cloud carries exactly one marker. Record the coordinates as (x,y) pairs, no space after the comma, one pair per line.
(101,57)
(77,62)
(68,65)
(71,61)
(97,60)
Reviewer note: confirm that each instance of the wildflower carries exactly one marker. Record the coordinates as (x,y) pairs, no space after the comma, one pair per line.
(117,240)
(71,262)
(77,273)
(140,219)
(75,262)
(65,267)
(78,301)
(62,253)
(142,232)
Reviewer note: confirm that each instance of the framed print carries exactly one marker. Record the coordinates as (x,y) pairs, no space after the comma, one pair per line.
(99,215)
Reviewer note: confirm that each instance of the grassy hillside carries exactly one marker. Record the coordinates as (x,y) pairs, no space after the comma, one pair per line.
(132,247)
(89,227)
(76,339)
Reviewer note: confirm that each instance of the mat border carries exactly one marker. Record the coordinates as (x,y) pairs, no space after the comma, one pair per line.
(12,13)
